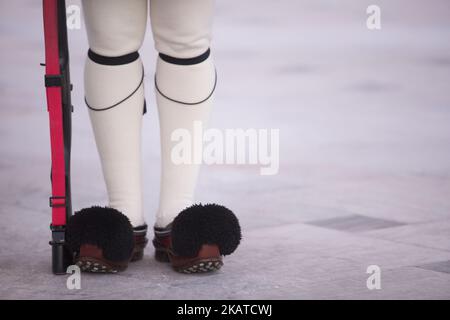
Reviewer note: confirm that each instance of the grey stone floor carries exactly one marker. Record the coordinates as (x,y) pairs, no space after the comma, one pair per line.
(364,161)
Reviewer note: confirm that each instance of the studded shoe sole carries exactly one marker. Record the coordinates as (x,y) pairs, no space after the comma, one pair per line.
(189,265)
(201,266)
(90,264)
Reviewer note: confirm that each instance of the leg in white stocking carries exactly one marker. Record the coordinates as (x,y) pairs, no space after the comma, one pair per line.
(185,81)
(115,97)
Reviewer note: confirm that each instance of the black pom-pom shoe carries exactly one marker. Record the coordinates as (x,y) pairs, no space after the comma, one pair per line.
(103,241)
(198,238)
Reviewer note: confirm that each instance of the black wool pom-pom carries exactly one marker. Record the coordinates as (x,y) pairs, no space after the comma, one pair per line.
(104,227)
(205,224)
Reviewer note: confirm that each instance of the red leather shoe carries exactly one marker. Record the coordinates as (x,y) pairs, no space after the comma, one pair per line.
(102,240)
(140,242)
(198,238)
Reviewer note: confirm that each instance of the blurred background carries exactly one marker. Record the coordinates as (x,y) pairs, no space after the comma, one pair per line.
(364,178)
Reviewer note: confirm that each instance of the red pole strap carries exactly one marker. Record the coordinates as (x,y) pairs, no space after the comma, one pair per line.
(54,107)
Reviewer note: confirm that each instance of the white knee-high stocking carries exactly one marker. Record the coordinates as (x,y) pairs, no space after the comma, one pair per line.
(115,96)
(184,94)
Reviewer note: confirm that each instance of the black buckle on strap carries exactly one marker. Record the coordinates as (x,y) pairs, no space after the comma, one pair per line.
(53,80)
(58,235)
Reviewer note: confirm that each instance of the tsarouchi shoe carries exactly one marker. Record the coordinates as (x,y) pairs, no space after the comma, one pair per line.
(140,242)
(198,238)
(103,240)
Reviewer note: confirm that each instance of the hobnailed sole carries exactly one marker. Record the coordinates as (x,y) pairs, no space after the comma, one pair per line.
(93,265)
(201,266)
(195,266)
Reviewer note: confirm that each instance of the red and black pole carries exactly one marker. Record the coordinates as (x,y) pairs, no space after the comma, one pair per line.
(58,88)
